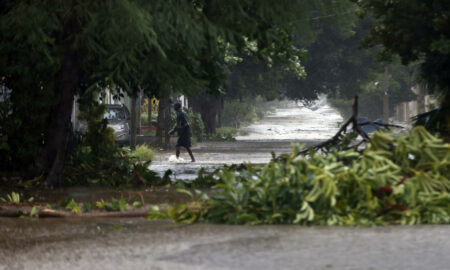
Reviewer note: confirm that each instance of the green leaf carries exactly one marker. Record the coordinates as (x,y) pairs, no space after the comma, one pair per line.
(156,215)
(137,204)
(184,191)
(33,211)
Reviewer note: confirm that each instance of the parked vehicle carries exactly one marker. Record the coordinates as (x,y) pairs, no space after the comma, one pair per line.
(118,118)
(371,127)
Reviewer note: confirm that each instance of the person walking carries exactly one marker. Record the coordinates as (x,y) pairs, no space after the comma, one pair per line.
(184,131)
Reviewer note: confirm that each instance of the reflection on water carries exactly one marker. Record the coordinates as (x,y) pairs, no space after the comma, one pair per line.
(273,133)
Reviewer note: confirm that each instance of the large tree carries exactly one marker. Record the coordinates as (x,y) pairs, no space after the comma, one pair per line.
(337,66)
(417,31)
(55,50)
(52,50)
(274,74)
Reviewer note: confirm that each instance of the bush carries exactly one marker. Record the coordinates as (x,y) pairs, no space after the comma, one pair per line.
(143,153)
(23,128)
(224,134)
(196,122)
(237,113)
(393,181)
(98,161)
(144,119)
(149,132)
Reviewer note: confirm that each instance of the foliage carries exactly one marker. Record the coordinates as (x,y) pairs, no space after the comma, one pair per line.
(142,153)
(144,118)
(203,180)
(71,205)
(98,136)
(72,47)
(224,134)
(371,92)
(416,30)
(97,160)
(197,126)
(14,197)
(239,112)
(21,137)
(435,121)
(337,67)
(114,206)
(401,180)
(188,212)
(274,77)
(149,132)
(117,169)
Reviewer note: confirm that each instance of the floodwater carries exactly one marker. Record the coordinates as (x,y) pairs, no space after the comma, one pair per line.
(101,243)
(274,133)
(136,243)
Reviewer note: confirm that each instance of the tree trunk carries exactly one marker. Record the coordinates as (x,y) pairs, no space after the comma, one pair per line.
(209,107)
(159,121)
(163,121)
(133,124)
(149,113)
(59,120)
(167,123)
(138,112)
(220,112)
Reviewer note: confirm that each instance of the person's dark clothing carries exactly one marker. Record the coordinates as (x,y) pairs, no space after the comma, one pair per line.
(184,130)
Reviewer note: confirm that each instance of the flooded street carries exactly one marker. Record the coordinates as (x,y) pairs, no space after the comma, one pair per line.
(273,133)
(100,243)
(225,135)
(136,243)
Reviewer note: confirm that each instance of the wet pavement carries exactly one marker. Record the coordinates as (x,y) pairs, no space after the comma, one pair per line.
(101,243)
(273,133)
(136,243)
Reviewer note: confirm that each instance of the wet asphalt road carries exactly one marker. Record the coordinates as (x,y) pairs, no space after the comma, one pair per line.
(140,244)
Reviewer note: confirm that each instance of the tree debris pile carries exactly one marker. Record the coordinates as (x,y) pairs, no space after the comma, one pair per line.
(401,180)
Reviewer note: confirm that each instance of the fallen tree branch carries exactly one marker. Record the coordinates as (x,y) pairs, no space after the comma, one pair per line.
(15,211)
(356,127)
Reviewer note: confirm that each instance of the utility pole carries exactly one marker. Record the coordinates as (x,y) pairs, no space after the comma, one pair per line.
(386,95)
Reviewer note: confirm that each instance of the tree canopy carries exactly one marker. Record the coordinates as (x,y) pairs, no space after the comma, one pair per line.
(51,51)
(416,31)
